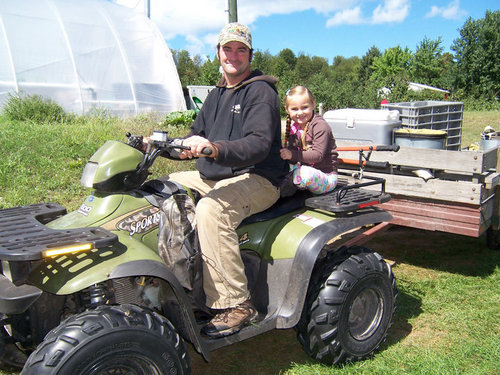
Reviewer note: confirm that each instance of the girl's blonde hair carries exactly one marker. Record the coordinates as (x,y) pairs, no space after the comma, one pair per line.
(297,90)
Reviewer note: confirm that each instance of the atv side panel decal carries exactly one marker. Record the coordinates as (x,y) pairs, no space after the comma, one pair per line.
(140,222)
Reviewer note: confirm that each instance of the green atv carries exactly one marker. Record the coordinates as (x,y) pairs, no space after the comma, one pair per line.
(86,292)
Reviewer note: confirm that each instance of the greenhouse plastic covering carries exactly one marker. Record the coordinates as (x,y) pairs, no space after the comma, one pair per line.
(86,55)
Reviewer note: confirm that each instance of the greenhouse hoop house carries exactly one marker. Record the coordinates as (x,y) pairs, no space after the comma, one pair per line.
(86,55)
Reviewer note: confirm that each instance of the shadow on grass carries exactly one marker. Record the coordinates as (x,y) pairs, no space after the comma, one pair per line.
(408,307)
(278,351)
(467,256)
(271,353)
(6,369)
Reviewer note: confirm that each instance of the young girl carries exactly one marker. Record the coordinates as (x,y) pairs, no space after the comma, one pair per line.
(309,143)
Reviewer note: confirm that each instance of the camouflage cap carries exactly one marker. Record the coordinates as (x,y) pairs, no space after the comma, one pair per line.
(235,32)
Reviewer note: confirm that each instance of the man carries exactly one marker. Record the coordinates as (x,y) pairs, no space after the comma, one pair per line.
(240,122)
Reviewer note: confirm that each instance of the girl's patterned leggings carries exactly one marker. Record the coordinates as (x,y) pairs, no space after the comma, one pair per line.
(317,182)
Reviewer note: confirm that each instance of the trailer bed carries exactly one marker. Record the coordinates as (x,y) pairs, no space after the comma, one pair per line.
(437,190)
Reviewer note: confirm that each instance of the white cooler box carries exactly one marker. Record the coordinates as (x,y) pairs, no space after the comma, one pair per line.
(352,126)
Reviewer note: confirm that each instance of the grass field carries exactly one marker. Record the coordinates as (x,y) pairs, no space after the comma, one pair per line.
(447,322)
(448,319)
(473,124)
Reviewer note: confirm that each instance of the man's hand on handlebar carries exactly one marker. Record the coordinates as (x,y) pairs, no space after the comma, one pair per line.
(192,147)
(200,147)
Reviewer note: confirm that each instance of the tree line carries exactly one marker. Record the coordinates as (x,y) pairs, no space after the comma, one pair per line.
(471,73)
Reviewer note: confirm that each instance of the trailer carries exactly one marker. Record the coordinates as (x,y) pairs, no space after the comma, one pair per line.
(432,189)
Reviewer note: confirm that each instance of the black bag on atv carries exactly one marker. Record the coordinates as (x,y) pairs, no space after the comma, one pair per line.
(286,186)
(178,242)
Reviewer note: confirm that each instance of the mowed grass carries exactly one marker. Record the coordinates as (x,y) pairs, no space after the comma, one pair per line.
(447,322)
(43,161)
(448,314)
(474,122)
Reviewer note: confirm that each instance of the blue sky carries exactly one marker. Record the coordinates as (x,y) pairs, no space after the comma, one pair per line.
(325,28)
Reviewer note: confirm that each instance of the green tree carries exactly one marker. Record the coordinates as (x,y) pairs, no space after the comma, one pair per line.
(344,68)
(319,65)
(188,71)
(477,56)
(283,64)
(391,70)
(308,67)
(288,57)
(209,72)
(394,62)
(305,68)
(365,67)
(448,68)
(262,61)
(425,65)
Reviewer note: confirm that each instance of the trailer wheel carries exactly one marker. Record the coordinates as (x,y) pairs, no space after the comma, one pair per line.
(349,307)
(124,339)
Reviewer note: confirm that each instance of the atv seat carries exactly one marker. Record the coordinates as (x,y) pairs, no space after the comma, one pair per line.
(281,207)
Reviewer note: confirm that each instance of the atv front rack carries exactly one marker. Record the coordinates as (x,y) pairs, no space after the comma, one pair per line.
(24,237)
(350,198)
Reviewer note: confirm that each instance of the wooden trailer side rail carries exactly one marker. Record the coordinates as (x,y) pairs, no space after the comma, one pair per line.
(451,217)
(460,197)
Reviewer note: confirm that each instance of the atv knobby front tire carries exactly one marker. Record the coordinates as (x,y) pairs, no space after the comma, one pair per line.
(349,307)
(124,339)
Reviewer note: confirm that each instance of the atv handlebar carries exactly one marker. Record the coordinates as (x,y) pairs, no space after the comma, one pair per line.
(160,139)
(158,144)
(207,151)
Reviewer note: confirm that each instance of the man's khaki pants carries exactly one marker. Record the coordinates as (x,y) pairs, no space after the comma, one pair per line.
(223,206)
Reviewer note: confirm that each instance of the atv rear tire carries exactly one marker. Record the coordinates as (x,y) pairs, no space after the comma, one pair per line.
(124,339)
(349,307)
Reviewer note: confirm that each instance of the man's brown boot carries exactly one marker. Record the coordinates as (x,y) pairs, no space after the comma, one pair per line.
(230,320)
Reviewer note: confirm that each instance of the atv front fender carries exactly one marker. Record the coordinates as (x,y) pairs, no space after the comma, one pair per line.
(307,254)
(16,299)
(159,270)
(71,273)
(68,274)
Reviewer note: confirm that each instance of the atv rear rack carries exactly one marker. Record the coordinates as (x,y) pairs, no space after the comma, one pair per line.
(24,237)
(350,198)
(344,199)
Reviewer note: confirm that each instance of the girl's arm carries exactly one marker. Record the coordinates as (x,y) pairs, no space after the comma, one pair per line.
(320,134)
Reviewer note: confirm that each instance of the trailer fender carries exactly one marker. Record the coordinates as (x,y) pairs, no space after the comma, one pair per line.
(307,253)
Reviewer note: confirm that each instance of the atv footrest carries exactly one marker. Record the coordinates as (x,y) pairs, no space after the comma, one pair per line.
(350,198)
(23,236)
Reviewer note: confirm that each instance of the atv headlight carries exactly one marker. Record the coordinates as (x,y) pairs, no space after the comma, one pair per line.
(68,250)
(88,174)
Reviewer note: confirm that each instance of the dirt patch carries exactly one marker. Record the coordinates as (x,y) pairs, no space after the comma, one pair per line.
(425,336)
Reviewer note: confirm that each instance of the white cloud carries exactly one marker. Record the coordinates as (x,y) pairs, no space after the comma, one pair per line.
(199,21)
(190,17)
(452,11)
(391,11)
(346,17)
(195,45)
